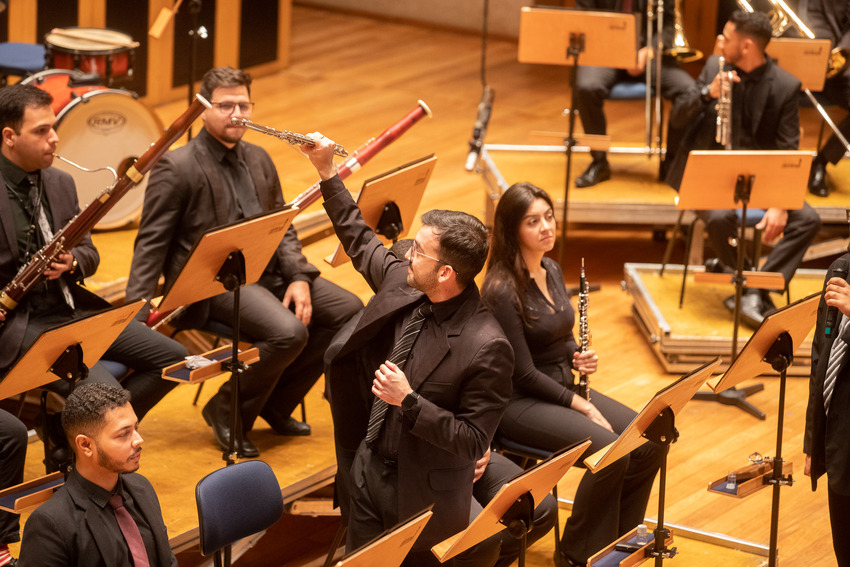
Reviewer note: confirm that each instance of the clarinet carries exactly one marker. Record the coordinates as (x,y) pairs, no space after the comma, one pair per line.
(360,156)
(32,273)
(584,338)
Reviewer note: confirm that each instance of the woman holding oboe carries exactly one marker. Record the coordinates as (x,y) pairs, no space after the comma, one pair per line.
(527,294)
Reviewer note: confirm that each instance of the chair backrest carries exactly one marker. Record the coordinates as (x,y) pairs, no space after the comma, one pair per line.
(236,502)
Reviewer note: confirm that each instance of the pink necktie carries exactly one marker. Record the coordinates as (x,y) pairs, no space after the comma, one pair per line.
(130,530)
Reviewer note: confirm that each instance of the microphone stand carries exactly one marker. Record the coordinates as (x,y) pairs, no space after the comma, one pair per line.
(574,50)
(195,31)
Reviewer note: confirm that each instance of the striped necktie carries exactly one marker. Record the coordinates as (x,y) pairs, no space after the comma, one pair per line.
(836,362)
(46,231)
(397,356)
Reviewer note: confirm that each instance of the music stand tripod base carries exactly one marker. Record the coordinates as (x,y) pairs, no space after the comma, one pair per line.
(734,397)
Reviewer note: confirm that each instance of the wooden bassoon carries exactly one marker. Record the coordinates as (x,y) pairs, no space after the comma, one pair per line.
(32,273)
(360,156)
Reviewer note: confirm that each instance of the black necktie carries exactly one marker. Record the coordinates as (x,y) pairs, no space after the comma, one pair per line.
(398,356)
(243,185)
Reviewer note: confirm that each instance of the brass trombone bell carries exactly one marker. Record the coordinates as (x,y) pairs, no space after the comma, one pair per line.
(681,50)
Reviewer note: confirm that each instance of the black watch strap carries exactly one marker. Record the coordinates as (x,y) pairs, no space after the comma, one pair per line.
(409,400)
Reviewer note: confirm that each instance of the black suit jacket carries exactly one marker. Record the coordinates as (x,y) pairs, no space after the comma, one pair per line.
(187,196)
(827,446)
(464,379)
(775,118)
(68,530)
(61,195)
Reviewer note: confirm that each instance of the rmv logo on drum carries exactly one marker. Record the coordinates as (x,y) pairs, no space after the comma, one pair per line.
(107,122)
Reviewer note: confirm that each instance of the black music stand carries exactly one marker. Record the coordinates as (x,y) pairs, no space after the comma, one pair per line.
(225,259)
(773,346)
(388,202)
(656,423)
(513,506)
(390,548)
(782,180)
(557,37)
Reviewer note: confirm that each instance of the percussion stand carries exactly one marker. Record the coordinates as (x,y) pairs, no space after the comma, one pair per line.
(195,32)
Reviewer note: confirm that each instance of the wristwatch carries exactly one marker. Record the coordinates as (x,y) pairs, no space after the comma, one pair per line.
(705,93)
(409,400)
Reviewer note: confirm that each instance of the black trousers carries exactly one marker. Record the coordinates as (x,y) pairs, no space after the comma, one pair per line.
(802,227)
(593,87)
(839,519)
(145,351)
(608,503)
(838,90)
(290,352)
(13,452)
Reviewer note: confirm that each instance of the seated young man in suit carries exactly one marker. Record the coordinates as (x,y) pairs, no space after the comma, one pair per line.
(105,514)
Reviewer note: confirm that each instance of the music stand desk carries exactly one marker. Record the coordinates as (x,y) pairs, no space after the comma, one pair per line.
(804,58)
(537,480)
(674,396)
(94,334)
(781,178)
(257,238)
(389,549)
(544,37)
(797,319)
(403,186)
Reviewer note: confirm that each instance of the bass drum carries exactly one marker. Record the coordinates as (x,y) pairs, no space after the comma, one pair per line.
(106,127)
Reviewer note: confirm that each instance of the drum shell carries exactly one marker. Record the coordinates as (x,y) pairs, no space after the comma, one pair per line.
(63,52)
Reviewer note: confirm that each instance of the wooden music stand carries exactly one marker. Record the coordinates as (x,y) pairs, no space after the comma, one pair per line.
(656,423)
(388,202)
(513,506)
(390,548)
(225,259)
(804,58)
(773,345)
(67,349)
(782,178)
(557,36)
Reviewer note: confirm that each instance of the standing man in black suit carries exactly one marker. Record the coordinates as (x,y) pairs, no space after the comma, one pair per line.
(827,440)
(442,400)
(830,19)
(764,117)
(290,315)
(37,201)
(104,514)
(593,84)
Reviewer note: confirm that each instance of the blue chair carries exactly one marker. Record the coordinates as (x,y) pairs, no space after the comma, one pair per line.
(20,59)
(236,502)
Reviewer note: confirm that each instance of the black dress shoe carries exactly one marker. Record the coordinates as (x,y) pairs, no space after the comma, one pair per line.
(817,179)
(597,172)
(715,266)
(753,308)
(221,432)
(289,426)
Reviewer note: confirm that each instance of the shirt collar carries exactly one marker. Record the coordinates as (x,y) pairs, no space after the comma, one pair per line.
(95,493)
(216,148)
(445,309)
(12,173)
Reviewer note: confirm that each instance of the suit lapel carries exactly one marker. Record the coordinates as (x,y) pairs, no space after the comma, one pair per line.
(761,91)
(219,193)
(6,222)
(376,317)
(95,519)
(152,514)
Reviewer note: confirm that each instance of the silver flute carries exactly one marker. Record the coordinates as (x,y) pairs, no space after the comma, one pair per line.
(285,135)
(723,133)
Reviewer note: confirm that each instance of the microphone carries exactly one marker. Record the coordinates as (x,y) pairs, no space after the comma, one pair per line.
(839,270)
(485,107)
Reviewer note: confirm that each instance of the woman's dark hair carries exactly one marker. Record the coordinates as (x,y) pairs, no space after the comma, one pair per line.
(505,267)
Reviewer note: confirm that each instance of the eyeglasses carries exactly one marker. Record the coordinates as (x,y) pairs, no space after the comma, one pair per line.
(229,107)
(415,251)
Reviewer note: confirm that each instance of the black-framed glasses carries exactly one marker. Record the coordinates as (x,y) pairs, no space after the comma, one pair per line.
(416,251)
(229,107)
